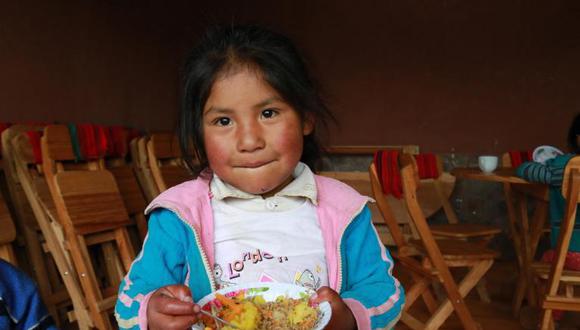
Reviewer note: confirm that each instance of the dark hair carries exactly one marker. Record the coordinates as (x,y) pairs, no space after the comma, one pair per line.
(224,48)
(573,133)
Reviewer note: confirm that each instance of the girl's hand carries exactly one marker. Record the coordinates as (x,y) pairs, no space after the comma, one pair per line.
(171,307)
(342,318)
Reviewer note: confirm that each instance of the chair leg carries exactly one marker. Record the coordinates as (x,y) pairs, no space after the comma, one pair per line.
(481,288)
(547,322)
(468,282)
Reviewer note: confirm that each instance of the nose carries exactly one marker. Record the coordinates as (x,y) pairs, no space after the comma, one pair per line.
(250,137)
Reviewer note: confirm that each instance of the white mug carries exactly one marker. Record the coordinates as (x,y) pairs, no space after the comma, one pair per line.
(487,164)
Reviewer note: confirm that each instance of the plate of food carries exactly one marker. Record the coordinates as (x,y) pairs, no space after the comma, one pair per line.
(542,153)
(263,306)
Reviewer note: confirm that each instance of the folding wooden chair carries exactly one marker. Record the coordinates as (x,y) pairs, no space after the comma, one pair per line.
(554,274)
(167,166)
(92,212)
(428,260)
(140,161)
(433,195)
(30,179)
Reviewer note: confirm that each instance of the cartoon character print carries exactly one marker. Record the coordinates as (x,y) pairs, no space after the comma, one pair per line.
(307,279)
(217,275)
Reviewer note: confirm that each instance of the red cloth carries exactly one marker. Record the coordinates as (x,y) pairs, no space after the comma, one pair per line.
(387,165)
(34,138)
(519,157)
(119,141)
(572,261)
(427,166)
(388,171)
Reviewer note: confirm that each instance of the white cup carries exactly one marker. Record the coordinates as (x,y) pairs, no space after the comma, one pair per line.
(487,164)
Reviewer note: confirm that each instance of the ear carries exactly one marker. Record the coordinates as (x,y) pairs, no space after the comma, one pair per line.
(308,124)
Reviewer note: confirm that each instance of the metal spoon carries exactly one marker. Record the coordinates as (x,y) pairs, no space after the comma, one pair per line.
(219,319)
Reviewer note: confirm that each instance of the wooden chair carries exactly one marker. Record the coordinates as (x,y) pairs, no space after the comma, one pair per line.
(167,166)
(433,195)
(140,161)
(92,213)
(30,178)
(428,260)
(554,274)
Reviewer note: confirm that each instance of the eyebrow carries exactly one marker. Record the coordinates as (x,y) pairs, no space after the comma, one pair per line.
(261,104)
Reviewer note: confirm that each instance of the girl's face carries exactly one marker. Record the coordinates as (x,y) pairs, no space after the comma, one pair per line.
(253,139)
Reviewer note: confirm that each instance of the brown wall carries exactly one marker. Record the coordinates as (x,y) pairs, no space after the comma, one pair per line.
(85,61)
(476,76)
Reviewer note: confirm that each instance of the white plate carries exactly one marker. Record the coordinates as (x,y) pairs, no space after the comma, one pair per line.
(543,153)
(270,291)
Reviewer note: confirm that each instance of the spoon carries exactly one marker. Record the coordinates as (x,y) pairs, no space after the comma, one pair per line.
(219,319)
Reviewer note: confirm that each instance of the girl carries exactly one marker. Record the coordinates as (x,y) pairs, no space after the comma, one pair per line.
(256,212)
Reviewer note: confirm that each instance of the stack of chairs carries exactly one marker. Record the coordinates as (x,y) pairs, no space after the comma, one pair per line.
(23,143)
(44,270)
(77,195)
(92,213)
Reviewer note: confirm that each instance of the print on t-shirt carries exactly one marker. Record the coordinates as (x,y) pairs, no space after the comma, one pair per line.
(261,261)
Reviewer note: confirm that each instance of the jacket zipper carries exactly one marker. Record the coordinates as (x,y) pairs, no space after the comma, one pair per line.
(199,247)
(339,283)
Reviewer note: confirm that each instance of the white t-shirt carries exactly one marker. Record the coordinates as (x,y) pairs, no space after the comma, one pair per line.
(279,241)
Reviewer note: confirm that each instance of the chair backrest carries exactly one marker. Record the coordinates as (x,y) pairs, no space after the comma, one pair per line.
(167,166)
(411,182)
(432,193)
(92,212)
(140,161)
(384,207)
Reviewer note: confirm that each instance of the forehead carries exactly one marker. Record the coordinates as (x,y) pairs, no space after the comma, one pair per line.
(240,88)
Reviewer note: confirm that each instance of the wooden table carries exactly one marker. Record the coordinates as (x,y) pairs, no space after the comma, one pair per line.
(524,233)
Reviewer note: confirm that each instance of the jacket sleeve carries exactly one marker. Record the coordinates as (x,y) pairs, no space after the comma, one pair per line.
(161,262)
(374,296)
(551,173)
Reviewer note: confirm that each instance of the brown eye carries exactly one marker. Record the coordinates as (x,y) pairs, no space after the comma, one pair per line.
(223,121)
(269,113)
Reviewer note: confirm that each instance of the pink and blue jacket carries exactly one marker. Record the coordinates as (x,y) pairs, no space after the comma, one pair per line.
(179,249)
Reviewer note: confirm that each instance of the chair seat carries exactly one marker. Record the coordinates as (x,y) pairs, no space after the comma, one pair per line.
(542,270)
(463,230)
(454,250)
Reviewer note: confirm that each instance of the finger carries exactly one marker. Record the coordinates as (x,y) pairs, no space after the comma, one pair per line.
(175,322)
(324,294)
(172,306)
(178,291)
